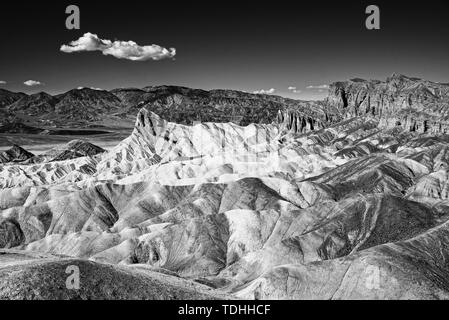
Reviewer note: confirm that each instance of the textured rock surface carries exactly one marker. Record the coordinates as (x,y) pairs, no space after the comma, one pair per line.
(85,107)
(186,106)
(15,154)
(72,150)
(8,97)
(411,103)
(30,276)
(305,207)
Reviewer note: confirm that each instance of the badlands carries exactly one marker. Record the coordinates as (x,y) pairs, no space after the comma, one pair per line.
(346,198)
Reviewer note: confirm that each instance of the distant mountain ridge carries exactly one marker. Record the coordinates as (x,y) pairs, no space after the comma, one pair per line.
(407,102)
(85,106)
(8,97)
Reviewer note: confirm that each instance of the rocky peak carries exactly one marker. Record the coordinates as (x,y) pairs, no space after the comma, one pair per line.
(87,104)
(35,104)
(411,103)
(15,154)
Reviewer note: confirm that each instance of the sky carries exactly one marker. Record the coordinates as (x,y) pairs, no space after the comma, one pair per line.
(241,45)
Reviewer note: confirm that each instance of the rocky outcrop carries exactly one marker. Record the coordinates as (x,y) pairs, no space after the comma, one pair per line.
(15,154)
(72,150)
(86,104)
(74,108)
(19,127)
(413,104)
(34,105)
(306,117)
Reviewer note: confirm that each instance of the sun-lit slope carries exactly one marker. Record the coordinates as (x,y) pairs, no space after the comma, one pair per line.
(259,211)
(125,209)
(67,171)
(173,153)
(170,153)
(412,269)
(155,140)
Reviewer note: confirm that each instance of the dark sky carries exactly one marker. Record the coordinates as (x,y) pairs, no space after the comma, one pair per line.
(244,45)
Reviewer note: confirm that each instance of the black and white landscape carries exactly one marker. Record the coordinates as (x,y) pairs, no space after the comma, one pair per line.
(304,200)
(168,192)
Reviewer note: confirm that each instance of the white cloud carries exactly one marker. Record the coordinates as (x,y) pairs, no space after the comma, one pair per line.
(32,83)
(93,88)
(119,49)
(263,91)
(323,86)
(2,82)
(294,89)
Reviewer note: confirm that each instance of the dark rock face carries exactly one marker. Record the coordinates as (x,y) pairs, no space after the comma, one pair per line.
(131,96)
(15,154)
(35,104)
(73,107)
(307,117)
(72,150)
(83,147)
(86,104)
(410,103)
(185,105)
(8,97)
(181,105)
(10,233)
(19,127)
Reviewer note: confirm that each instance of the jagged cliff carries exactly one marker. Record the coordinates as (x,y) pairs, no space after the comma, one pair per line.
(307,117)
(411,103)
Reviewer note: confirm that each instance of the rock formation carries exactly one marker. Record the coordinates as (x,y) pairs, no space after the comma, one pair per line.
(72,150)
(411,103)
(15,154)
(327,200)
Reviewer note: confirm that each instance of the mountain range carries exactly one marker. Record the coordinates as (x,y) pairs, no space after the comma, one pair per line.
(400,100)
(85,106)
(345,198)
